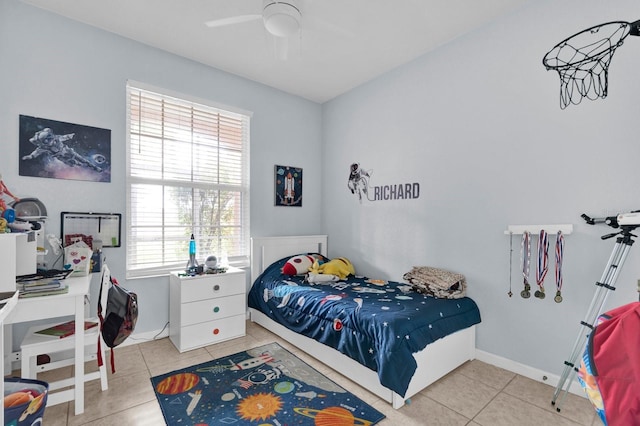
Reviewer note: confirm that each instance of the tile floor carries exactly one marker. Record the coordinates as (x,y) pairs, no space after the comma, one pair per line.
(475,394)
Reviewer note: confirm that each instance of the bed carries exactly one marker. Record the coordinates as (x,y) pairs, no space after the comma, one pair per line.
(395,346)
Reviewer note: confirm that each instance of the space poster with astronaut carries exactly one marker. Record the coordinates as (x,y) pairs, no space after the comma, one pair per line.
(59,150)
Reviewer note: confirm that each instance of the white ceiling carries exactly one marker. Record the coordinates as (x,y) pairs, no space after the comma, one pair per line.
(343,43)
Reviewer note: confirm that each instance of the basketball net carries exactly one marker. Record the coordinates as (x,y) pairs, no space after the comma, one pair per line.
(582,60)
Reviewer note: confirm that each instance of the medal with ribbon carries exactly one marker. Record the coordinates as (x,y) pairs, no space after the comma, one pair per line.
(525,259)
(543,263)
(559,256)
(510,261)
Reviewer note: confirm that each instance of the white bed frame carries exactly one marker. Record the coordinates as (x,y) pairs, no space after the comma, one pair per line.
(435,361)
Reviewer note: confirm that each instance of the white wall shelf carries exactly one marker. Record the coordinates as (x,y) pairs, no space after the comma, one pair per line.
(535,229)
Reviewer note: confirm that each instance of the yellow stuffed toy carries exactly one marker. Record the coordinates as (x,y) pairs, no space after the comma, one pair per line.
(340,267)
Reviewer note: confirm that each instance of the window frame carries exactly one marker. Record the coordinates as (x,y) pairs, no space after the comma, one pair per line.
(243,189)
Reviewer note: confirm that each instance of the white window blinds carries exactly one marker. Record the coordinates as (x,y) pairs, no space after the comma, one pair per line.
(188,173)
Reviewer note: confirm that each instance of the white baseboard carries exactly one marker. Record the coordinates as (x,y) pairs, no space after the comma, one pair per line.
(527,371)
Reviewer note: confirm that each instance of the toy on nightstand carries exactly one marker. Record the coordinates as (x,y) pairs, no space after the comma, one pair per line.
(215,265)
(192,265)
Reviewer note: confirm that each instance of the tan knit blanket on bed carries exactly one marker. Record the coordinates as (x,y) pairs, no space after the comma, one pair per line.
(437,282)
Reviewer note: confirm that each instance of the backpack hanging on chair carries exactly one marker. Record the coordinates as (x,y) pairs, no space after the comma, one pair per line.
(120,315)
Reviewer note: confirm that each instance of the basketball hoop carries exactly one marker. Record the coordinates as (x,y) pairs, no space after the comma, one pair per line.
(582,60)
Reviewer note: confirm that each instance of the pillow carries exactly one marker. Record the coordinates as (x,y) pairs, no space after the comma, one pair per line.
(300,264)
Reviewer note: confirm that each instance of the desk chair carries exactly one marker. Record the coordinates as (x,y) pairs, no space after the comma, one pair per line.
(35,344)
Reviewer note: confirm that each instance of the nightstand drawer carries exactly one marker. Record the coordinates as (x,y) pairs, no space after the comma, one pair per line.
(208,333)
(212,309)
(207,287)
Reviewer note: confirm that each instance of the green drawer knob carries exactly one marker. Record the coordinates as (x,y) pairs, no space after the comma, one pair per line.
(216,309)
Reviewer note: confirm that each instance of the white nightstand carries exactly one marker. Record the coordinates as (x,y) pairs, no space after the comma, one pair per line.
(206,309)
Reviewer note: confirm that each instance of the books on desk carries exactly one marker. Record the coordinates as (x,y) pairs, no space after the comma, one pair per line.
(43,284)
(63,289)
(44,275)
(46,287)
(65,329)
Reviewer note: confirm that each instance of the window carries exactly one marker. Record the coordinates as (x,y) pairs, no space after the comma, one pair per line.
(187,173)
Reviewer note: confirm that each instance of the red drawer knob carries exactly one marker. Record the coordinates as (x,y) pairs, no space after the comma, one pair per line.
(216,287)
(216,331)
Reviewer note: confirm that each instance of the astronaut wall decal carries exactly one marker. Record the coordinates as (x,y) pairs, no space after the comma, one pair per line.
(55,149)
(288,186)
(358,182)
(359,185)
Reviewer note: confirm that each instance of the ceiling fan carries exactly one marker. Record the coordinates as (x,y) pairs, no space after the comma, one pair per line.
(281,18)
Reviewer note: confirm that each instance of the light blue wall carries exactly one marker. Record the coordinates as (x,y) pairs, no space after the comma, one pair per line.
(55,68)
(478,125)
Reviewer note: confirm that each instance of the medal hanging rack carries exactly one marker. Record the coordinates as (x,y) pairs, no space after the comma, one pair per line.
(542,262)
(535,229)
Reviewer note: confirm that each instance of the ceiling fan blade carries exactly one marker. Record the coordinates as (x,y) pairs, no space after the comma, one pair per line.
(317,24)
(232,20)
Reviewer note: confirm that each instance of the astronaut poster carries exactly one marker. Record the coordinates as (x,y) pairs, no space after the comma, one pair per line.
(288,184)
(59,150)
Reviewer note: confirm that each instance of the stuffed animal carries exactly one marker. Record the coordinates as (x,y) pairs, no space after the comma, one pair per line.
(315,278)
(340,266)
(300,264)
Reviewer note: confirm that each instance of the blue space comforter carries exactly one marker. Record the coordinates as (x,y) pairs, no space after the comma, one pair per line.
(380,324)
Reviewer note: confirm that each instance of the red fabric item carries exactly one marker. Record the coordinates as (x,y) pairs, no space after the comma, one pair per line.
(616,357)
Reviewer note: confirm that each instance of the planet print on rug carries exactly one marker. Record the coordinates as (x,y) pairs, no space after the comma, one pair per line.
(266,386)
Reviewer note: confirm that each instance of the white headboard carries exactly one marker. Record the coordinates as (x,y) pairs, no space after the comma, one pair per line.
(266,250)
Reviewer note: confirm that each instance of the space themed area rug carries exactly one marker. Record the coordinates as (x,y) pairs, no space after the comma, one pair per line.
(266,386)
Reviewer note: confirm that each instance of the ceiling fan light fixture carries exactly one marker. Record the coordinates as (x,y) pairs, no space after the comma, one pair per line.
(282,19)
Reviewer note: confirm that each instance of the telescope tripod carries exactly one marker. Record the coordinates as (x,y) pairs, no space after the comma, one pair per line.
(624,241)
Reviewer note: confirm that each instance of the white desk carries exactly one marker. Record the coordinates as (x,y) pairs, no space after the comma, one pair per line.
(49,307)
